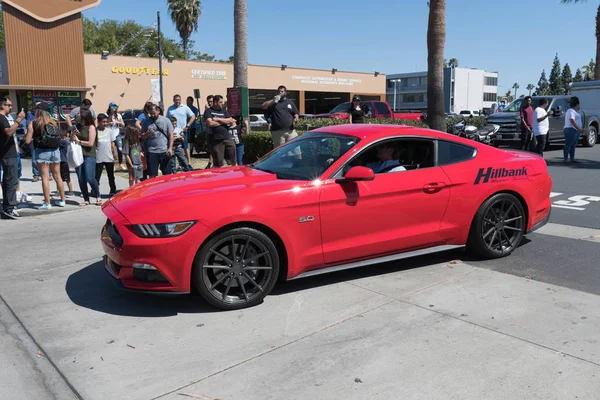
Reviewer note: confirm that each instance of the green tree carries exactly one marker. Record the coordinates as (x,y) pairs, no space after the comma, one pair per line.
(530,87)
(185,14)
(596,69)
(578,76)
(1,30)
(543,88)
(557,86)
(453,62)
(567,77)
(436,40)
(515,86)
(589,73)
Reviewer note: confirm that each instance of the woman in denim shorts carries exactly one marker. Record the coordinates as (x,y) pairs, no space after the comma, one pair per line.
(47,159)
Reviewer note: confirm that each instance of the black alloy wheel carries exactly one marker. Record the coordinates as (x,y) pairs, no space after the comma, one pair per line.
(498,227)
(236,269)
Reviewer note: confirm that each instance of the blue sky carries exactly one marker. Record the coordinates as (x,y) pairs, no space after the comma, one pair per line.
(516,38)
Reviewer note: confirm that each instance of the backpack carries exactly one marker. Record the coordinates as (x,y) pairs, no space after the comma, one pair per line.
(51,136)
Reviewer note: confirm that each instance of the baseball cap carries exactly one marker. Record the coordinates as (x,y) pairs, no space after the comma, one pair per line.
(113,104)
(356,98)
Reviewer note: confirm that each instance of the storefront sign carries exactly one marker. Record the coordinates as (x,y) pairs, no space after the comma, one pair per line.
(68,94)
(206,74)
(44,94)
(319,80)
(138,71)
(234,101)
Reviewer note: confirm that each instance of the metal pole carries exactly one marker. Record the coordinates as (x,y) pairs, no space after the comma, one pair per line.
(395,82)
(160,57)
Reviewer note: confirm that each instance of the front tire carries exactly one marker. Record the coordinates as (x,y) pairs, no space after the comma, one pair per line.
(591,138)
(236,269)
(498,227)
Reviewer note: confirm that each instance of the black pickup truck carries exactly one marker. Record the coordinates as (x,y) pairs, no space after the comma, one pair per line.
(509,121)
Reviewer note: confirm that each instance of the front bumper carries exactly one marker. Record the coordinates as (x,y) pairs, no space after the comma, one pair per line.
(154,265)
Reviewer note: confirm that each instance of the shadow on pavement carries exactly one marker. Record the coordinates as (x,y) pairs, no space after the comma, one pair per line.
(582,164)
(93,288)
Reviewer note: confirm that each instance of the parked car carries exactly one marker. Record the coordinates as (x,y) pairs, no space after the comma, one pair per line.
(258,121)
(377,109)
(287,217)
(129,117)
(510,121)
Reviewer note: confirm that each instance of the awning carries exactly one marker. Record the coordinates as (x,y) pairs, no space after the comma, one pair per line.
(50,88)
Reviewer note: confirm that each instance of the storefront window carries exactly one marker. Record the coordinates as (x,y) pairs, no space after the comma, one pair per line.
(323,102)
(259,96)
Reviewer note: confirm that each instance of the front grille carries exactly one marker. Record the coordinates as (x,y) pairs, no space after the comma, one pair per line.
(506,126)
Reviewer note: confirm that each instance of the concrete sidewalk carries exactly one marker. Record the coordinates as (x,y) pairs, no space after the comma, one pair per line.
(34,189)
(427,328)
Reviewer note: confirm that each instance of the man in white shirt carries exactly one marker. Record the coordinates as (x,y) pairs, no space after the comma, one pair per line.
(541,126)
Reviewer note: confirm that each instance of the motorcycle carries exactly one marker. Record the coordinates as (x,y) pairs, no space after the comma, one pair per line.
(485,134)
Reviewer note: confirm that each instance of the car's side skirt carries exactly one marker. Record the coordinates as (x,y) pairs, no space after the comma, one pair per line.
(377,260)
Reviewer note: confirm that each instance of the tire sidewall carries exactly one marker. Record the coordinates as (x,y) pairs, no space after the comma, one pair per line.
(594,133)
(197,276)
(476,241)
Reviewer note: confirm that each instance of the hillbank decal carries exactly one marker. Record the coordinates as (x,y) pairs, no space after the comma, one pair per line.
(319,80)
(484,175)
(208,74)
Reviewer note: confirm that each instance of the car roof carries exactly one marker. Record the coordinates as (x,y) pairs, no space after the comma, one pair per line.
(376,131)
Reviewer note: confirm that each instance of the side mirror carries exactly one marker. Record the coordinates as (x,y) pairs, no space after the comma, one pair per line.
(357,174)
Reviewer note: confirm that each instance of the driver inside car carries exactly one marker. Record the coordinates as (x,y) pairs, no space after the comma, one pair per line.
(388,161)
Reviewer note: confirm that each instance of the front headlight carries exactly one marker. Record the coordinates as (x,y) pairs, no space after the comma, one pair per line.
(162,230)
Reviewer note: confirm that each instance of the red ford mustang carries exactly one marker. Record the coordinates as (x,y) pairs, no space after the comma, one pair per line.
(334,198)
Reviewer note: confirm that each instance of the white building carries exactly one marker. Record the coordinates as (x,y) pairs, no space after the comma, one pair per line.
(465,89)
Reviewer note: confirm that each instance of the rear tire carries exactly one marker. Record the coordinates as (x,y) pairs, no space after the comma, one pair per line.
(498,227)
(591,138)
(236,269)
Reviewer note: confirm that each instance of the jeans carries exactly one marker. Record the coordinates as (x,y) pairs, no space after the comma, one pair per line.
(119,143)
(156,160)
(240,154)
(191,138)
(541,144)
(86,175)
(10,181)
(110,171)
(34,168)
(571,140)
(179,154)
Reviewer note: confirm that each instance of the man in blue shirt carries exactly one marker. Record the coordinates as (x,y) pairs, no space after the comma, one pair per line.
(185,118)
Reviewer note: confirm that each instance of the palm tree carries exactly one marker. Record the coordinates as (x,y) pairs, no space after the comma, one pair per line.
(185,14)
(530,87)
(508,96)
(597,66)
(436,39)
(240,51)
(453,63)
(515,86)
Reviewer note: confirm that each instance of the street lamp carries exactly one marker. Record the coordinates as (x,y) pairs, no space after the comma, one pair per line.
(395,82)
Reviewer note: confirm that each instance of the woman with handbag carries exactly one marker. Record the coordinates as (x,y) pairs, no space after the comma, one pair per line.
(45,133)
(87,137)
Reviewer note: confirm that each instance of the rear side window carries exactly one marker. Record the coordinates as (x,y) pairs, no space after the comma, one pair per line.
(382,109)
(451,153)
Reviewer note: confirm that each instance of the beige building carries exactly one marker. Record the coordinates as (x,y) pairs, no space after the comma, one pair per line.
(131,81)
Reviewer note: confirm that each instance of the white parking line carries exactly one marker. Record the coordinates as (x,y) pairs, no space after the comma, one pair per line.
(569,207)
(574,202)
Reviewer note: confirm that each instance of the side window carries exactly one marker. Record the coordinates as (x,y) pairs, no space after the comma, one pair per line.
(382,109)
(396,155)
(451,153)
(562,103)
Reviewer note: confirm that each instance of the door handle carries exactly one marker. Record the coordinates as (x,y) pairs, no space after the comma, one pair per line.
(434,187)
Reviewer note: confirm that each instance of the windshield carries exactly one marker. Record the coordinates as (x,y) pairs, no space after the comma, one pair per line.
(515,106)
(307,157)
(342,108)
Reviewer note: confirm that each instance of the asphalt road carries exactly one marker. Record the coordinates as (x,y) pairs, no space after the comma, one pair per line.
(576,189)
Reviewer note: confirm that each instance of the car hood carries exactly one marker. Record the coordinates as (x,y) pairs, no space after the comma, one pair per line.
(167,195)
(502,116)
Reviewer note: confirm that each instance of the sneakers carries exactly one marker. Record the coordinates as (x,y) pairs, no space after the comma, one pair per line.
(11,215)
(70,194)
(61,203)
(45,207)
